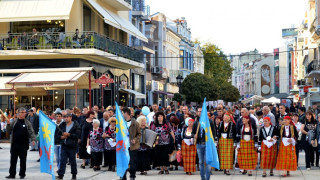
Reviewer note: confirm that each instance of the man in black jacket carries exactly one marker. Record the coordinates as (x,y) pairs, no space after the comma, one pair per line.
(34,119)
(69,134)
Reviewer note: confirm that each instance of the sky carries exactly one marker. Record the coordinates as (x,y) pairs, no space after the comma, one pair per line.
(236,26)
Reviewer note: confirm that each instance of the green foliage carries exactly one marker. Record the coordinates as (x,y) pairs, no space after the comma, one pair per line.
(216,66)
(228,93)
(197,86)
(178,97)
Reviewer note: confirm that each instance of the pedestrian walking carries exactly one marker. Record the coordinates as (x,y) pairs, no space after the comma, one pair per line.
(286,160)
(69,134)
(21,130)
(268,138)
(163,147)
(57,140)
(188,149)
(95,141)
(247,140)
(85,129)
(143,160)
(226,137)
(110,144)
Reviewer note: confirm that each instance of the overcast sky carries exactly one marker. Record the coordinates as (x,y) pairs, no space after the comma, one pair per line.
(236,25)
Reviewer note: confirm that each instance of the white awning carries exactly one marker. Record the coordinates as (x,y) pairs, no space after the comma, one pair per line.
(137,94)
(115,20)
(34,10)
(52,81)
(4,91)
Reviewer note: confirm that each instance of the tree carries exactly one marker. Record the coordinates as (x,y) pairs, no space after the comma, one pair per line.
(216,66)
(197,86)
(228,92)
(178,97)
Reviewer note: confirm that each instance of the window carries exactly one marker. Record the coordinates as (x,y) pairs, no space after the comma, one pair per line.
(156,56)
(122,35)
(41,26)
(106,29)
(181,59)
(140,27)
(86,18)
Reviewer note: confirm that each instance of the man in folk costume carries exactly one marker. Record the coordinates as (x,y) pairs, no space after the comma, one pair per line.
(247,145)
(286,160)
(227,137)
(268,138)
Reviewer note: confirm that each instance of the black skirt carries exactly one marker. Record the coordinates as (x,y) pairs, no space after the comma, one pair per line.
(83,154)
(97,158)
(162,155)
(110,157)
(143,160)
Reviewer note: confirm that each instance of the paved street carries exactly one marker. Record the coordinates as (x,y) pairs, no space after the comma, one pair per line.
(33,171)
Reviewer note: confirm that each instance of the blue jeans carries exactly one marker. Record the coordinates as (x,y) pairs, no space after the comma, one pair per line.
(57,152)
(64,155)
(204,171)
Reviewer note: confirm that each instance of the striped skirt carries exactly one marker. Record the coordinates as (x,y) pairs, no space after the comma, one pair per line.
(268,156)
(226,150)
(287,159)
(189,157)
(247,155)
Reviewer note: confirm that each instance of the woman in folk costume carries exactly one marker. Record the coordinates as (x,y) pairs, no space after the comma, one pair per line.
(268,138)
(188,149)
(227,136)
(247,139)
(286,160)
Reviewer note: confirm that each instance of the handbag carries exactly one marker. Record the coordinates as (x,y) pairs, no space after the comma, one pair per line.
(179,156)
(173,156)
(89,149)
(315,144)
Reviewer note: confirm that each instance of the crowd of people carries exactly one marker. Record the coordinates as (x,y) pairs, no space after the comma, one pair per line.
(267,137)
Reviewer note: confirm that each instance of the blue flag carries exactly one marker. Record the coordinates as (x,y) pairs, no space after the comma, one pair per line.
(46,139)
(212,158)
(123,143)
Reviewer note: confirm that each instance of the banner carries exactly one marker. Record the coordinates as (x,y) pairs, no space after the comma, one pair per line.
(212,158)
(123,143)
(46,140)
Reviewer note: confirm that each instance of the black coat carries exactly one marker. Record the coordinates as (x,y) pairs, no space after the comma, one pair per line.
(35,123)
(231,131)
(72,141)
(274,131)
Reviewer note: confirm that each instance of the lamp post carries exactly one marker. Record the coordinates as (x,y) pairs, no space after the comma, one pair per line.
(179,81)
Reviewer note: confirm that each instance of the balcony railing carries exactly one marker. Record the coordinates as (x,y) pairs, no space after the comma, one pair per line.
(68,40)
(313,66)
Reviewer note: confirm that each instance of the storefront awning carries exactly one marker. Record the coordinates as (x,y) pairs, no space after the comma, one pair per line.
(135,93)
(115,20)
(52,81)
(34,10)
(7,91)
(4,91)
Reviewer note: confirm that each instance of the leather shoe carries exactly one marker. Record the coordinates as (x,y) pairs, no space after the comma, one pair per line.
(10,177)
(22,177)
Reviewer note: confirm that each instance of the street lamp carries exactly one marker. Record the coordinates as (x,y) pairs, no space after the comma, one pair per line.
(179,80)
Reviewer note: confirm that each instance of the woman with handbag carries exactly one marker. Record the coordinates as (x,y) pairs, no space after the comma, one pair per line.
(286,159)
(307,130)
(85,129)
(143,160)
(247,146)
(268,138)
(188,149)
(227,137)
(162,144)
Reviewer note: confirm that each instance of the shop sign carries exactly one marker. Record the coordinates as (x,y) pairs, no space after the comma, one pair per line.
(155,86)
(104,80)
(306,88)
(314,90)
(301,92)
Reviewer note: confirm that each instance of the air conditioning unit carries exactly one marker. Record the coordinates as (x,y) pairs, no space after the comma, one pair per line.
(156,70)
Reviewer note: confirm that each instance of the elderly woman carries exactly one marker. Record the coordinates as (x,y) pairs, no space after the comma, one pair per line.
(188,149)
(268,137)
(226,137)
(110,144)
(162,148)
(85,129)
(95,141)
(247,146)
(143,163)
(286,160)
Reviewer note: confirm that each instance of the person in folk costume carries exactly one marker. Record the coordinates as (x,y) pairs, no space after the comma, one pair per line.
(188,149)
(227,137)
(286,160)
(247,144)
(268,138)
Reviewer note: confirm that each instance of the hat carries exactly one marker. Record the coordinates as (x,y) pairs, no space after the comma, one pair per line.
(191,120)
(267,118)
(287,117)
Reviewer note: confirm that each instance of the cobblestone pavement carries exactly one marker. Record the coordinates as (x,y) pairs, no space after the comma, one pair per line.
(33,171)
